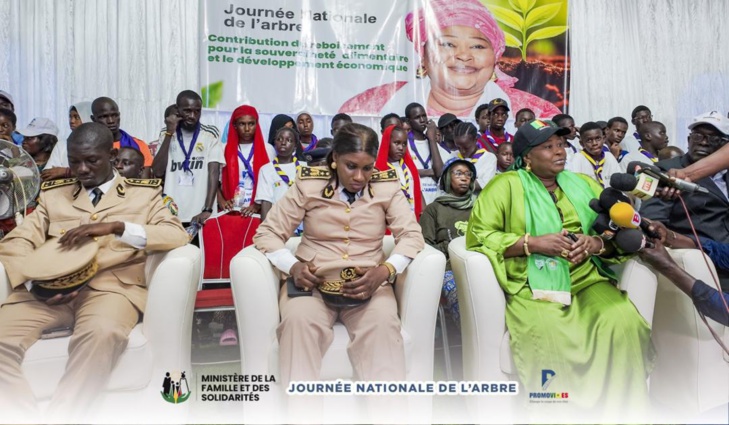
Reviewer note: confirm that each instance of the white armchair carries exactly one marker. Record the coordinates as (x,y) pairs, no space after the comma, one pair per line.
(255,284)
(160,343)
(691,374)
(486,349)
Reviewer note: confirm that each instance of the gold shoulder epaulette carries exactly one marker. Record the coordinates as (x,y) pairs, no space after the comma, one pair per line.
(51,184)
(384,176)
(314,173)
(144,182)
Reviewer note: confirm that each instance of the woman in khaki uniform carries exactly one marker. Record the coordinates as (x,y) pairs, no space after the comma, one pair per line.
(346,209)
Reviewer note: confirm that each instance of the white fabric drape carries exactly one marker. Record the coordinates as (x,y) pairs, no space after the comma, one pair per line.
(139,52)
(667,54)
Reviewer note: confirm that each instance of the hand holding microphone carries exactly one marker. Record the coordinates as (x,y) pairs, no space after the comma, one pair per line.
(643,180)
(632,240)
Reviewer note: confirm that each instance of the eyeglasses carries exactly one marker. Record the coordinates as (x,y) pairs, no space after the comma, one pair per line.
(713,140)
(459,173)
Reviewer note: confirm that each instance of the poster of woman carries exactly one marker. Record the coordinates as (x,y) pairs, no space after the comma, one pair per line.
(461,49)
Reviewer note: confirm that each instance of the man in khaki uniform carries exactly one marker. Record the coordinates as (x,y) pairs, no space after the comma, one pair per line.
(127,218)
(346,210)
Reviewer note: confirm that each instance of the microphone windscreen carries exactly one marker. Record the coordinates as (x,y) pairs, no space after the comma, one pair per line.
(603,228)
(630,240)
(623,182)
(595,205)
(610,197)
(624,215)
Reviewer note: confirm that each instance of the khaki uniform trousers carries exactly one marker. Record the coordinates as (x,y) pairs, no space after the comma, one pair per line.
(305,333)
(101,324)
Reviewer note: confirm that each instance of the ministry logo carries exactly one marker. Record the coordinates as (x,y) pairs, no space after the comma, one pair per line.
(175,388)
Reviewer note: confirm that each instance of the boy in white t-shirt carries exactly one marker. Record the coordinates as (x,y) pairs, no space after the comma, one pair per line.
(425,151)
(277,176)
(593,160)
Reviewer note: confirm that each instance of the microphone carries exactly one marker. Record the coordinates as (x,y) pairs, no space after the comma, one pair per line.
(595,206)
(632,240)
(643,186)
(610,196)
(664,178)
(604,227)
(625,216)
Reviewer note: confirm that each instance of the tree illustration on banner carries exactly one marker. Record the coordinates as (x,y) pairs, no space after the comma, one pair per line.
(537,50)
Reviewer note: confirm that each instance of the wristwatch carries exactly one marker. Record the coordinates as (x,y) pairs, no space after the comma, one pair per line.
(393,273)
(207,210)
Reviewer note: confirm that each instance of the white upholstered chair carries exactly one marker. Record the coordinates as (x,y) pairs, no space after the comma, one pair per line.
(486,350)
(160,343)
(255,284)
(692,373)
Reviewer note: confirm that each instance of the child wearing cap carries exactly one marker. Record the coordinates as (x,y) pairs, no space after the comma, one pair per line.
(496,134)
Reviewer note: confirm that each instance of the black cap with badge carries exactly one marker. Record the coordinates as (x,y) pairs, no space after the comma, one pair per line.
(534,133)
(498,102)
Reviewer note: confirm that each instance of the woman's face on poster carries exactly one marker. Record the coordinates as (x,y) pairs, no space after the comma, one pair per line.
(459,60)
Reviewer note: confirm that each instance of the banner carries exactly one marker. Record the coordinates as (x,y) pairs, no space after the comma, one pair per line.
(373,57)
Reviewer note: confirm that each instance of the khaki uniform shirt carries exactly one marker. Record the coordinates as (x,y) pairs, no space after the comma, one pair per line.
(336,234)
(64,205)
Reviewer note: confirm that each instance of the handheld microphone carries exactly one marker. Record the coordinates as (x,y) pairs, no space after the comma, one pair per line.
(643,186)
(632,240)
(610,197)
(625,216)
(604,227)
(595,206)
(664,178)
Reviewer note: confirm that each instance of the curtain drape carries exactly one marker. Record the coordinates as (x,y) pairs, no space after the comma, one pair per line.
(139,52)
(667,54)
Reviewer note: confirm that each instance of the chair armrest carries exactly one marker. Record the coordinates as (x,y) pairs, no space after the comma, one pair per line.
(418,292)
(483,312)
(5,288)
(255,286)
(641,284)
(170,305)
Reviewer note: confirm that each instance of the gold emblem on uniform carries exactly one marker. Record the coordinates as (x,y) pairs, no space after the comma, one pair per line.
(314,173)
(52,184)
(385,176)
(120,191)
(144,182)
(328,192)
(199,147)
(55,270)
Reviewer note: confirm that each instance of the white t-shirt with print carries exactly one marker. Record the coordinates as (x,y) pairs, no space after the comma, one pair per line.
(427,184)
(271,187)
(189,188)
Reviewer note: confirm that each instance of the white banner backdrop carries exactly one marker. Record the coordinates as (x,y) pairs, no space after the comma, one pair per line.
(373,57)
(300,55)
